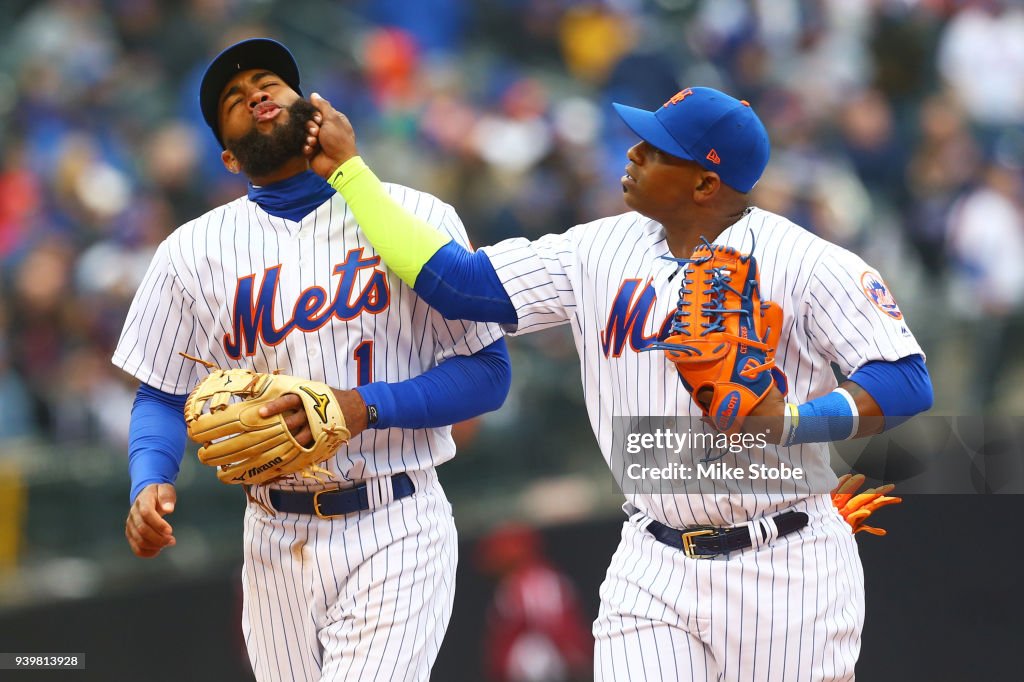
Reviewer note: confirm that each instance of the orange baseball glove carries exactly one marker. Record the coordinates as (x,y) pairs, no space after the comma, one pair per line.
(723,336)
(856,508)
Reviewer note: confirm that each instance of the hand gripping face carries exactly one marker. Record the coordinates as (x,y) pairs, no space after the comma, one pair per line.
(222,415)
(723,336)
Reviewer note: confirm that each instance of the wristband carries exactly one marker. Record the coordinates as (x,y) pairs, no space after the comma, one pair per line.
(790,421)
(826,419)
(855,426)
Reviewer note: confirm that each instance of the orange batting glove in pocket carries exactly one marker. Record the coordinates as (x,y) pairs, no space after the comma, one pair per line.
(856,508)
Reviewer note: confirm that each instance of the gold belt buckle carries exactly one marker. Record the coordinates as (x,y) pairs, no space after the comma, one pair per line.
(688,548)
(316,503)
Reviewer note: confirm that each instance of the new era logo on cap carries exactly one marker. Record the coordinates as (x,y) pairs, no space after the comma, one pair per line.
(704,125)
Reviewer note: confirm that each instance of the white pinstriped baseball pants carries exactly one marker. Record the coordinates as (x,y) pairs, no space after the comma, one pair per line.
(365,596)
(789,612)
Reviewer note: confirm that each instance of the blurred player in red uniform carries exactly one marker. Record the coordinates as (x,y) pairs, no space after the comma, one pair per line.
(535,631)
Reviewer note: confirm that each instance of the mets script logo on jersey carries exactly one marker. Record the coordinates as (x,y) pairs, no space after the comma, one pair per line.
(627,319)
(875,289)
(252,319)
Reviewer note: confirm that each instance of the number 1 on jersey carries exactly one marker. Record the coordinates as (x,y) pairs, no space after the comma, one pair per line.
(363,355)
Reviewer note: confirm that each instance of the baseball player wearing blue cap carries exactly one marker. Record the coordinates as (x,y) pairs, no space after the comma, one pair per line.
(758,583)
(351,576)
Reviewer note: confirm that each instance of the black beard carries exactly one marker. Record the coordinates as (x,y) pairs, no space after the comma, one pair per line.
(260,154)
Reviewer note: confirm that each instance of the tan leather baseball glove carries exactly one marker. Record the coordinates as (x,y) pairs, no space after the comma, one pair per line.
(222,415)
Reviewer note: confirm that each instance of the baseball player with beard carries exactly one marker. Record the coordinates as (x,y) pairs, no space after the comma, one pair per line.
(351,576)
(757,583)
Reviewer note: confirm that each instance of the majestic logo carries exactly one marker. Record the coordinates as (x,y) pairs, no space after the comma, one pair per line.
(727,411)
(627,319)
(875,289)
(252,318)
(713,157)
(321,402)
(679,97)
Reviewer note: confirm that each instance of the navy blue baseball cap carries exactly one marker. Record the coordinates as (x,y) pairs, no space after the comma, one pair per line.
(721,133)
(254,53)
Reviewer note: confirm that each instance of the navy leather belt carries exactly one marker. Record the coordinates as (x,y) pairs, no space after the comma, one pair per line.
(334,502)
(705,542)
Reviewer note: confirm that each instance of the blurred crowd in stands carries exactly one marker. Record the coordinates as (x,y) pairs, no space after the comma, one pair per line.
(897,129)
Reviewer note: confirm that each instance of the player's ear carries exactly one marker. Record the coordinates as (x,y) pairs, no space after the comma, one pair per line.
(708,184)
(230,162)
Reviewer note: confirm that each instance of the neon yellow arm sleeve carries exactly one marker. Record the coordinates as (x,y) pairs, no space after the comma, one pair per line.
(402,240)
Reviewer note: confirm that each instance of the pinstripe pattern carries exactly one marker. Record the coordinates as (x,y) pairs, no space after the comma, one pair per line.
(573,278)
(792,610)
(367,596)
(363,597)
(186,300)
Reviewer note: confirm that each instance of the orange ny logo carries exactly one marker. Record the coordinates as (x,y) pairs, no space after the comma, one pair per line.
(679,97)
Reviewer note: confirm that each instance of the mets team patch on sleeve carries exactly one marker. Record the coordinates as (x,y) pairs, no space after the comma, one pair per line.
(878,293)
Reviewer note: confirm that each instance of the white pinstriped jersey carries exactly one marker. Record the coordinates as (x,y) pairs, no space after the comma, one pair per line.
(608,281)
(364,596)
(242,288)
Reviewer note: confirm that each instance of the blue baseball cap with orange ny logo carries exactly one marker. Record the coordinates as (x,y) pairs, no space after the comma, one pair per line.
(721,133)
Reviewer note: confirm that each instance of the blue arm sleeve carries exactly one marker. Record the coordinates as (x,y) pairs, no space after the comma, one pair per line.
(464,286)
(902,388)
(455,390)
(156,438)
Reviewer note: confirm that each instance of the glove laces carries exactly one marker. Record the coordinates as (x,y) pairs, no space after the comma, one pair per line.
(719,282)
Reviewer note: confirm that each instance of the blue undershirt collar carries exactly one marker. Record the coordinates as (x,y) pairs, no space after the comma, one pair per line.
(292,198)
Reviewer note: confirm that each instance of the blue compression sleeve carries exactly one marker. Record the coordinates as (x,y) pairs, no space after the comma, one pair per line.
(902,388)
(464,286)
(459,388)
(156,438)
